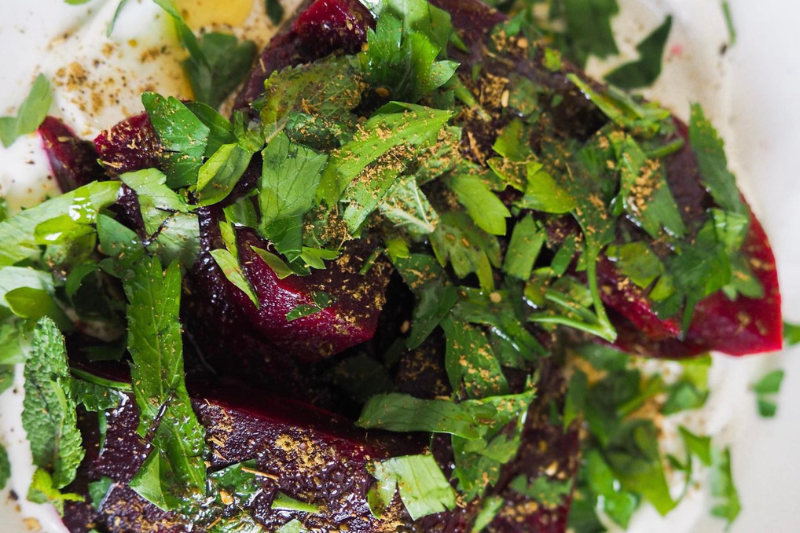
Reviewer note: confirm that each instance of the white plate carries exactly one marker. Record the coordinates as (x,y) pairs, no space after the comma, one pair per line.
(753,96)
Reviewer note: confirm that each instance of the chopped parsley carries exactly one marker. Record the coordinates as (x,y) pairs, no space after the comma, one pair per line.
(30,115)
(766,389)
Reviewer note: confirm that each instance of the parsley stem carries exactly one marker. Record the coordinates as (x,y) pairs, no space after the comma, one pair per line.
(607,331)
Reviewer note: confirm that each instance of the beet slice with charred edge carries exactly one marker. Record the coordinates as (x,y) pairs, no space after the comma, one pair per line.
(72,160)
(306,453)
(351,319)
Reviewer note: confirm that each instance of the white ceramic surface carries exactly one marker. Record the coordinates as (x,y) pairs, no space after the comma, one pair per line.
(752,94)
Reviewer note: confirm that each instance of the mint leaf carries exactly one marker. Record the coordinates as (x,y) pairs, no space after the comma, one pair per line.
(644,71)
(220,174)
(289,181)
(709,149)
(17,234)
(30,115)
(49,413)
(43,490)
(155,344)
(423,488)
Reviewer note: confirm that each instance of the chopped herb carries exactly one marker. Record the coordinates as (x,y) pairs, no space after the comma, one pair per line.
(42,490)
(233,272)
(646,70)
(5,467)
(99,490)
(287,503)
(470,361)
(489,509)
(30,115)
(547,491)
(466,247)
(220,174)
(320,302)
(423,488)
(766,389)
(293,526)
(483,206)
(726,9)
(727,505)
(523,249)
(274,11)
(697,446)
(117,13)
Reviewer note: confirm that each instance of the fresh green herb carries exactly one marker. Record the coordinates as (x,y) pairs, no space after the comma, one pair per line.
(697,446)
(401,64)
(576,397)
(154,341)
(5,467)
(644,71)
(293,526)
(523,249)
(99,490)
(275,263)
(117,13)
(220,174)
(407,207)
(274,11)
(435,296)
(42,490)
(636,261)
(423,488)
(217,63)
(182,134)
(30,115)
(233,272)
(489,509)
(727,505)
(683,396)
(589,29)
(404,413)
(49,413)
(289,182)
(17,234)
(766,389)
(394,125)
(483,206)
(156,200)
(726,9)
(470,361)
(549,492)
(791,334)
(482,253)
(283,502)
(320,301)
(709,149)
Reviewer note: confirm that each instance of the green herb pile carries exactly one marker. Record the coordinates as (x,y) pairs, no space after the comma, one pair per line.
(381,144)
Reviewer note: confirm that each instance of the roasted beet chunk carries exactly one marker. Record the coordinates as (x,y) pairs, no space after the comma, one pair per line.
(330,25)
(72,160)
(299,451)
(130,145)
(351,318)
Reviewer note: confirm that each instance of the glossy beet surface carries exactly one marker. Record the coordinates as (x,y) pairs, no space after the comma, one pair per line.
(303,452)
(72,160)
(130,145)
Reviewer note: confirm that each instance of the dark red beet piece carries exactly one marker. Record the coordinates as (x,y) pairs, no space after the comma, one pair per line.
(324,19)
(331,25)
(130,145)
(72,160)
(350,320)
(304,452)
